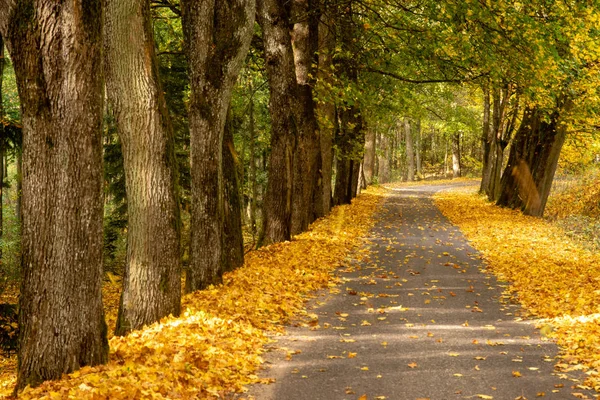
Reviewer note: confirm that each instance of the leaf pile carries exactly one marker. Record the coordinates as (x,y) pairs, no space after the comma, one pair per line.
(553,276)
(214,347)
(580,198)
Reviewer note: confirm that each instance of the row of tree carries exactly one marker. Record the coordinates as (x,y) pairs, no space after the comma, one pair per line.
(349,83)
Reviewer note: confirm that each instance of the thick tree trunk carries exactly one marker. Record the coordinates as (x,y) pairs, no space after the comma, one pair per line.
(152,280)
(217,37)
(418,150)
(326,111)
(410,151)
(56,51)
(307,156)
(369,160)
(527,178)
(456,166)
(279,57)
(233,249)
(2,141)
(487,138)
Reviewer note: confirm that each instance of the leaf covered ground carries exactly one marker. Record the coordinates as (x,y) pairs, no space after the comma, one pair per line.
(215,346)
(554,277)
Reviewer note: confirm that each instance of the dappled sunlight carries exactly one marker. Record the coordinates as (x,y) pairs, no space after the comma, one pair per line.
(214,348)
(553,277)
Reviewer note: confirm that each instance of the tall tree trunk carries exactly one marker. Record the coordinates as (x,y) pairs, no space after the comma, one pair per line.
(326,110)
(383,160)
(234,242)
(217,37)
(410,151)
(56,49)
(279,57)
(418,150)
(369,160)
(351,138)
(456,167)
(152,280)
(537,145)
(252,177)
(487,137)
(2,142)
(307,156)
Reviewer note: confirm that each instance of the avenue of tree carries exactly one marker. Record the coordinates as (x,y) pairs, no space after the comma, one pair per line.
(177,134)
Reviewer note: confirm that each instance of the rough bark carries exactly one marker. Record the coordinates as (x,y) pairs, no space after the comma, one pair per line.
(410,151)
(537,144)
(273,19)
(217,37)
(307,155)
(233,249)
(56,51)
(326,111)
(152,279)
(369,160)
(456,167)
(487,137)
(351,138)
(2,142)
(418,150)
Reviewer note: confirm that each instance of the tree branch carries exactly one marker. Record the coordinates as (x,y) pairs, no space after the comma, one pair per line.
(420,81)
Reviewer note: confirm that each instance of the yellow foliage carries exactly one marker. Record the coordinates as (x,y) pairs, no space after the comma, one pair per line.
(554,277)
(581,198)
(214,347)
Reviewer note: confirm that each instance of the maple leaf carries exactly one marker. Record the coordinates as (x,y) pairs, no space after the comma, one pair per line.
(412,365)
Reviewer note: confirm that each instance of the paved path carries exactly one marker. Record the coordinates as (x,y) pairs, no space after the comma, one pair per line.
(420,319)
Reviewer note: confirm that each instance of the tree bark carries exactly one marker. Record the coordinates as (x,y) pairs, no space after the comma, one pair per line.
(307,156)
(369,160)
(217,37)
(456,167)
(487,137)
(410,151)
(274,21)
(233,239)
(2,143)
(56,50)
(383,160)
(152,280)
(418,150)
(537,145)
(326,110)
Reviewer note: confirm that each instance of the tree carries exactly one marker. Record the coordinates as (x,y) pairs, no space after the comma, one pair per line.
(56,50)
(273,19)
(152,280)
(217,37)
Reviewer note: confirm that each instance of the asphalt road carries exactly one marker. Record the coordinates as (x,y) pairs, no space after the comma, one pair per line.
(418,319)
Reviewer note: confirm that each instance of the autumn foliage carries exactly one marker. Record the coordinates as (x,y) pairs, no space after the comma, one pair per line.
(214,348)
(554,278)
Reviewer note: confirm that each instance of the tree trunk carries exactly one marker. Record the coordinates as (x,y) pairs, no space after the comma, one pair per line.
(307,161)
(369,160)
(418,150)
(456,167)
(152,280)
(61,317)
(410,152)
(537,145)
(2,142)
(252,177)
(217,37)
(326,111)
(383,161)
(487,137)
(279,58)
(234,241)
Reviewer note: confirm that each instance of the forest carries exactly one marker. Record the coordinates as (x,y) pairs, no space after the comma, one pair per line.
(149,148)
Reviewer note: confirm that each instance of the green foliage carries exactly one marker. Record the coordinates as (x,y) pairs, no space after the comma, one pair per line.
(10,242)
